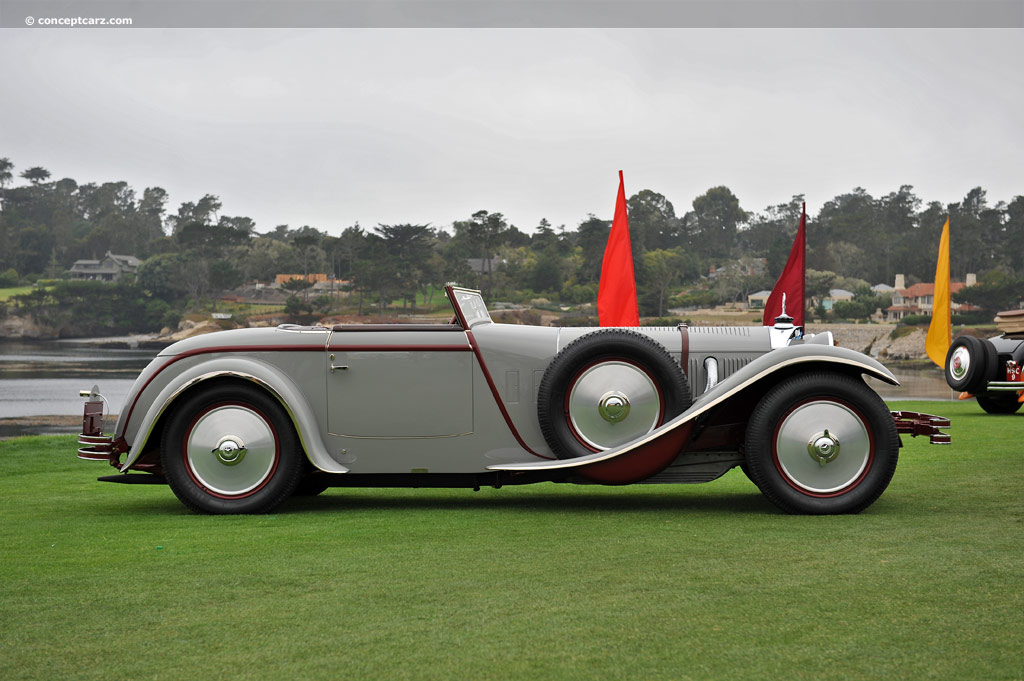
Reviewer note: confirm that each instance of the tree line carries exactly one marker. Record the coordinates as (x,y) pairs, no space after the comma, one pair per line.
(195,251)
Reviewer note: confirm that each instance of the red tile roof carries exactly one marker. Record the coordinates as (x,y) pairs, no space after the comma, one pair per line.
(921,290)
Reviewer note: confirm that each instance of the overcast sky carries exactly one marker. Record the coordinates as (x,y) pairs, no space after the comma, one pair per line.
(332,127)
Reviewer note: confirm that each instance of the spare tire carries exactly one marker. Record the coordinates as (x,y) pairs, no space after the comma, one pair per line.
(606,389)
(970,364)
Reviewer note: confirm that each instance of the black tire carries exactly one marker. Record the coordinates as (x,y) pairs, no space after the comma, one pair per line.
(648,385)
(970,364)
(1005,403)
(822,409)
(231,448)
(311,485)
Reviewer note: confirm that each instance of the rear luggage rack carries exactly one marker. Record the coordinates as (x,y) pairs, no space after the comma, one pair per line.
(913,423)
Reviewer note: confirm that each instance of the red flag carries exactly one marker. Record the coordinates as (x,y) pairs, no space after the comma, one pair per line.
(616,294)
(791,281)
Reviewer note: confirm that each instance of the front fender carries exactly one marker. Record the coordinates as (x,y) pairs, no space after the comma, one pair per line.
(666,441)
(267,376)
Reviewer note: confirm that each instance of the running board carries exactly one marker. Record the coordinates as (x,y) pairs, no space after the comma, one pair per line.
(134,479)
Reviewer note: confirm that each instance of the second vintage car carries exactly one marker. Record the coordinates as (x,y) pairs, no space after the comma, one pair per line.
(238,421)
(990,368)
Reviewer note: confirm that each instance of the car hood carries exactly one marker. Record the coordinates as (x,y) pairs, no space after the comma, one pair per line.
(263,339)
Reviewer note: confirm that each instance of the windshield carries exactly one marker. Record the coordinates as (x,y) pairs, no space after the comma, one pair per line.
(469,306)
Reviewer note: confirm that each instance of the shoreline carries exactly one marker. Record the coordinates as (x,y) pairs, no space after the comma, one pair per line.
(138,341)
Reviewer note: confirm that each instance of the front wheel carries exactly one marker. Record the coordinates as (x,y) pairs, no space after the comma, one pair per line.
(821,443)
(231,449)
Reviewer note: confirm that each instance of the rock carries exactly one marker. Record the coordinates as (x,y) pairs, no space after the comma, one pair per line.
(188,329)
(876,340)
(27,327)
(910,346)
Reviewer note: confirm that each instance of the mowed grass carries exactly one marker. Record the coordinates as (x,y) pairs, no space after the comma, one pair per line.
(6,293)
(101,581)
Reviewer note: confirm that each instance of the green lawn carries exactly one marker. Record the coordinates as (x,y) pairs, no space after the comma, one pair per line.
(101,581)
(6,293)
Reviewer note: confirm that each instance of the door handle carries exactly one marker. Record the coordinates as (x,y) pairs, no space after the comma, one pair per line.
(340,368)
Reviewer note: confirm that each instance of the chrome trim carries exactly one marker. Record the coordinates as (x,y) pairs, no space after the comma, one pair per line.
(711,369)
(1005,386)
(823,447)
(780,337)
(614,406)
(96,447)
(95,439)
(298,328)
(93,454)
(230,450)
(399,437)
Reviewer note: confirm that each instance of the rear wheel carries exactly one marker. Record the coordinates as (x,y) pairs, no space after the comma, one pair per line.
(1005,403)
(231,449)
(821,443)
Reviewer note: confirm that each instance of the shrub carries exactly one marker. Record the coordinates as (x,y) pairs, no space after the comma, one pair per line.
(915,320)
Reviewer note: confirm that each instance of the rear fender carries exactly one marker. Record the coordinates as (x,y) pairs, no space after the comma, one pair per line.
(665,442)
(268,377)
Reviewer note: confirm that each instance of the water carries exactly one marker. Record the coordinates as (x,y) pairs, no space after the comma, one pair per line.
(918,383)
(41,378)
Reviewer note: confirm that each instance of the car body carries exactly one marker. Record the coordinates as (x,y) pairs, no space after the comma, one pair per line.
(237,421)
(989,369)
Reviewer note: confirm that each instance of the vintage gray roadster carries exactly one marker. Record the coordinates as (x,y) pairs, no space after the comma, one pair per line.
(238,421)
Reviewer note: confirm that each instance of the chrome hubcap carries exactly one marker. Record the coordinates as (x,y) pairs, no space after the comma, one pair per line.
(613,407)
(959,363)
(231,450)
(817,428)
(823,447)
(612,403)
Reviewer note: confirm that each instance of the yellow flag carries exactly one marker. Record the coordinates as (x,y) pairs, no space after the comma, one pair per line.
(940,335)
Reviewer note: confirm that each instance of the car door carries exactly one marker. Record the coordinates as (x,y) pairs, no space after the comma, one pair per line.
(399,381)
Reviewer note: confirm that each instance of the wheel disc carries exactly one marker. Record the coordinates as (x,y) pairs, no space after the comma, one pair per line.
(231,450)
(822,447)
(611,403)
(959,364)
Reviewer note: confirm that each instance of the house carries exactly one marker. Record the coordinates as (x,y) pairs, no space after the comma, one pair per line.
(757,301)
(919,298)
(111,268)
(311,278)
(883,290)
(834,296)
